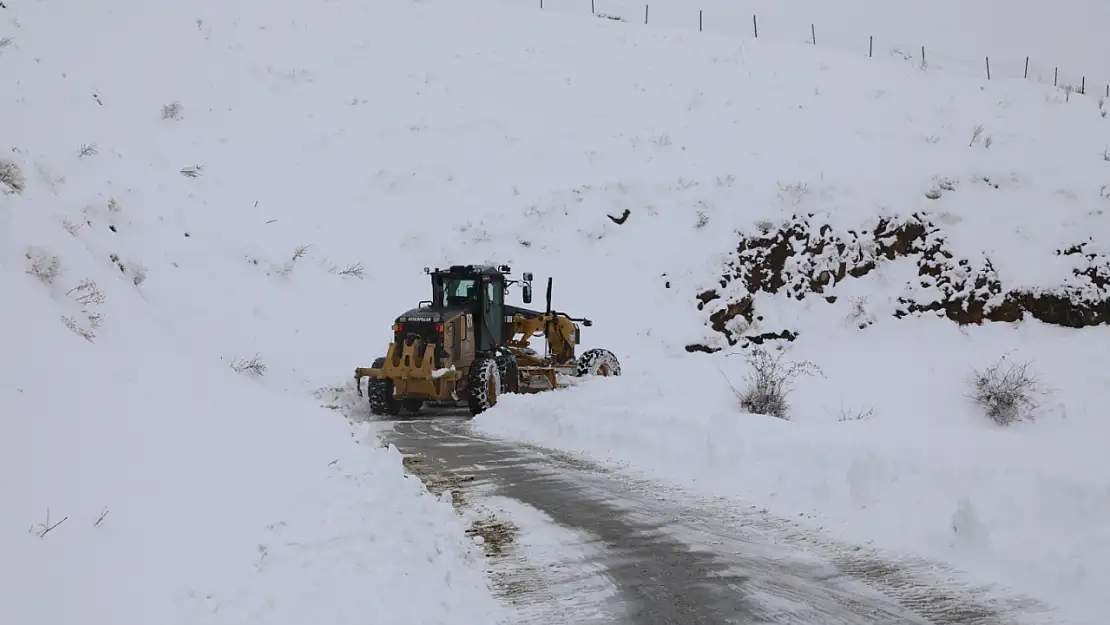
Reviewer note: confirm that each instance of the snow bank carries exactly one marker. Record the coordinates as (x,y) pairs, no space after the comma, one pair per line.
(883,447)
(143,479)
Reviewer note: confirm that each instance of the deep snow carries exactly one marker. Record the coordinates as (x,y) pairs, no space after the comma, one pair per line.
(398,135)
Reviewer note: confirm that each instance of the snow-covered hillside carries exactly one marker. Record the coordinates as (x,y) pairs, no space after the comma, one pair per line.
(269,179)
(1065,42)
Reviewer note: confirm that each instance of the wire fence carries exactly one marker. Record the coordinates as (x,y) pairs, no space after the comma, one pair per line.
(731,22)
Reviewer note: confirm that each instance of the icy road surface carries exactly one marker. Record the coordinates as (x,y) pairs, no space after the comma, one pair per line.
(670,558)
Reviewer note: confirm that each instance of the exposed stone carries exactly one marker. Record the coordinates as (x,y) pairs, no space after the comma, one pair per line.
(821,258)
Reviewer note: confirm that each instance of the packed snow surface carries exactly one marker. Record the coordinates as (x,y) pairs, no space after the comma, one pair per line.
(210,214)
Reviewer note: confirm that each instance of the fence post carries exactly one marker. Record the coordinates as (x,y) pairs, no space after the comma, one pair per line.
(813,34)
(1027,68)
(592,11)
(1108,91)
(1083,86)
(645,14)
(541,4)
(988,68)
(699,21)
(870,45)
(755,27)
(1055,76)
(922,56)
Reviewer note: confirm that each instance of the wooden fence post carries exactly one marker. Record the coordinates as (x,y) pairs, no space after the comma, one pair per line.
(645,14)
(988,68)
(755,27)
(1026,67)
(1056,77)
(592,11)
(813,33)
(870,45)
(699,21)
(1083,86)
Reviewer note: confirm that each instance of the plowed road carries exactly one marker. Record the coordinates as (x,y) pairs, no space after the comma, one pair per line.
(574,544)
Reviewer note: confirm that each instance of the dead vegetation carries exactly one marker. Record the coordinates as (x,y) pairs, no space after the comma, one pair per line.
(1006,390)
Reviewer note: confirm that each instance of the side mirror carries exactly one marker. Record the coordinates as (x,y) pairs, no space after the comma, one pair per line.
(527,293)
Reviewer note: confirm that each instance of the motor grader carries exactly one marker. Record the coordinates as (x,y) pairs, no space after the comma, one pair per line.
(466,346)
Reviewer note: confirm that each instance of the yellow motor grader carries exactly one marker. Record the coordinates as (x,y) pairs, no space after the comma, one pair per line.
(466,346)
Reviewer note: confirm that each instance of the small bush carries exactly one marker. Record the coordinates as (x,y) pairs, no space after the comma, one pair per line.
(137,271)
(1005,390)
(88,293)
(11,178)
(172,111)
(355,271)
(253,366)
(854,414)
(44,266)
(770,382)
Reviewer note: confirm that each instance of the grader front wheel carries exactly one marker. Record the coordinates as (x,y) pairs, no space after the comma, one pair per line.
(600,362)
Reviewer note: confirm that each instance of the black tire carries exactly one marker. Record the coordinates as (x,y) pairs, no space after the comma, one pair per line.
(380,393)
(412,406)
(510,374)
(483,384)
(599,362)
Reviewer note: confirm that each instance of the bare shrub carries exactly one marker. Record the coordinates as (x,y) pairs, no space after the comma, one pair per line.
(88,293)
(975,132)
(85,333)
(793,193)
(355,271)
(770,382)
(855,414)
(253,366)
(44,265)
(88,150)
(137,271)
(859,313)
(1005,390)
(192,171)
(702,221)
(172,111)
(71,227)
(300,251)
(11,178)
(44,528)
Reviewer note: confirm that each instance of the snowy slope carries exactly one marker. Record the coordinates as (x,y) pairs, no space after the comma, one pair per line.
(398,135)
(1064,42)
(142,479)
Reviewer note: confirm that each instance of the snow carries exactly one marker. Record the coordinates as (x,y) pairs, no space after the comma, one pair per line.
(550,572)
(180,156)
(1065,43)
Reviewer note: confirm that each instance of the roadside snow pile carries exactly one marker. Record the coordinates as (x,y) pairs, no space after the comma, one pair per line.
(144,483)
(154,467)
(885,446)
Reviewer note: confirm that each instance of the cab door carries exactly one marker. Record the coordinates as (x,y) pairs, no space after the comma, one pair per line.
(492,333)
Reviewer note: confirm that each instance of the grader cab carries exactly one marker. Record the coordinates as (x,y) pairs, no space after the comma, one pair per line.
(467,346)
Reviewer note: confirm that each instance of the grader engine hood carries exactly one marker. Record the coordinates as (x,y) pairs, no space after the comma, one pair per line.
(423,322)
